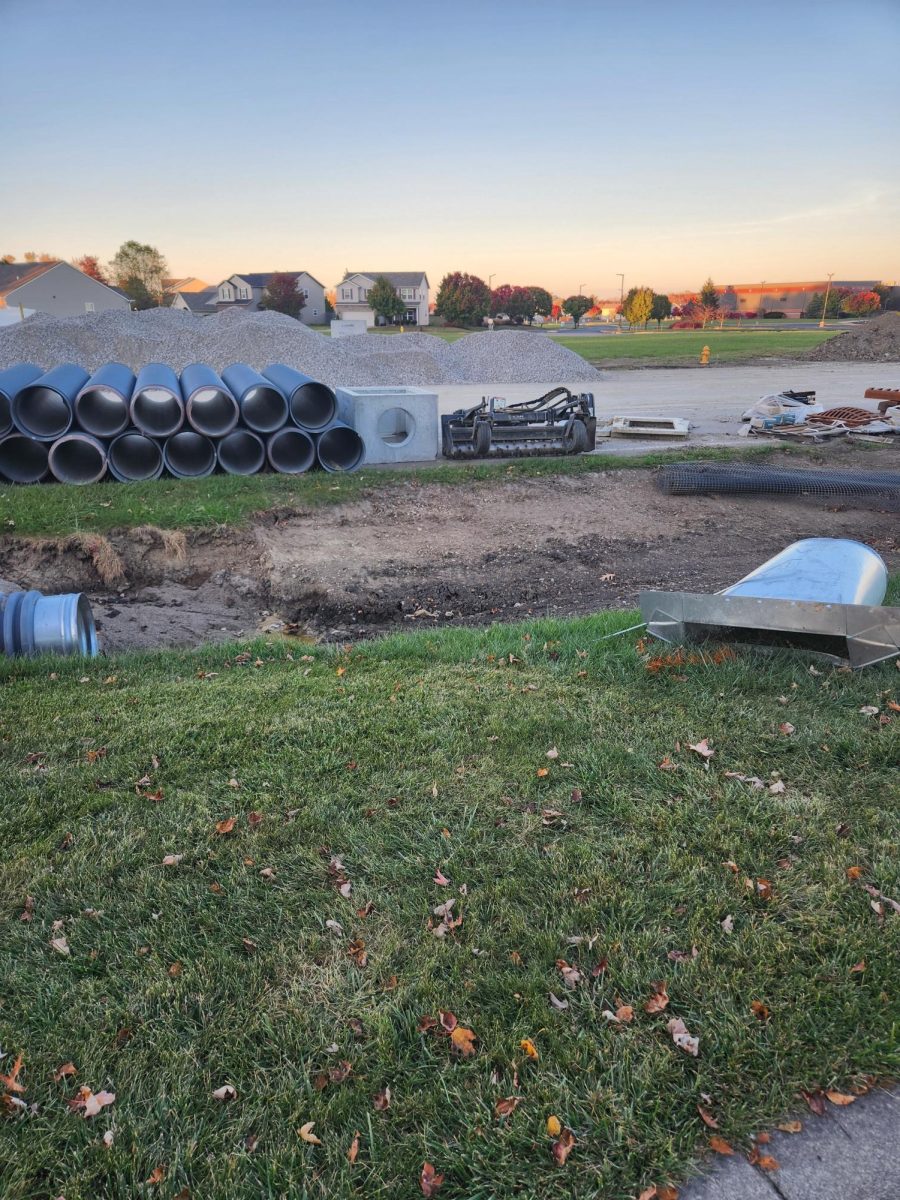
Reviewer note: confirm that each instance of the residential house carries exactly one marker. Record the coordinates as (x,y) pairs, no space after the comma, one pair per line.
(410,286)
(246,291)
(189,284)
(202,304)
(57,288)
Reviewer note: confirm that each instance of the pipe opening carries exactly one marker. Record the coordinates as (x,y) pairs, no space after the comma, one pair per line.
(189,455)
(395,426)
(264,409)
(133,457)
(241,453)
(291,452)
(212,411)
(23,460)
(102,411)
(86,629)
(42,412)
(157,411)
(340,449)
(313,406)
(77,459)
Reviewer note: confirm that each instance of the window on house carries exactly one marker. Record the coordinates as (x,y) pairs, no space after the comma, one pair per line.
(407,293)
(346,293)
(88,306)
(305,293)
(363,293)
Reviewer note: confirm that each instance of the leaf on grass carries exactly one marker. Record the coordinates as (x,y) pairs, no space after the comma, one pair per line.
(777,787)
(366,911)
(559,1005)
(440,878)
(571,976)
(707,1117)
(727,924)
(854,872)
(682,1039)
(254,819)
(68,1068)
(251,1141)
(357,951)
(790,1126)
(226,826)
(267,873)
(720,1145)
(248,945)
(157,1175)
(382,1100)
(816,1102)
(225,1092)
(869,710)
(353,1149)
(543,772)
(463,1041)
(840,1098)
(553,1126)
(562,1147)
(660,998)
(28,911)
(858,967)
(336,927)
(759,1010)
(623,1014)
(108,1138)
(443,910)
(529,1048)
(172,860)
(682,955)
(668,765)
(174,970)
(552,753)
(764,889)
(873,891)
(307,1135)
(10,1081)
(60,945)
(701,748)
(732,866)
(429,1179)
(447,1020)
(507,1106)
(89,1103)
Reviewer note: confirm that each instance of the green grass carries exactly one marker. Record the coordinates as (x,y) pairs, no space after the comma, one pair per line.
(55,510)
(402,757)
(683,347)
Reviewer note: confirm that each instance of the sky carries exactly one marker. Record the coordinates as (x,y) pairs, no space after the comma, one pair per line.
(556,144)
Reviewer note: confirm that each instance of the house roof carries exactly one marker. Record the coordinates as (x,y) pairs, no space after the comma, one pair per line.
(190,283)
(199,301)
(261,279)
(397,278)
(13,275)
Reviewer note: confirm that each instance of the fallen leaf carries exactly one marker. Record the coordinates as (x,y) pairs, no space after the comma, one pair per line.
(366,911)
(429,1179)
(447,1019)
(357,951)
(267,873)
(727,924)
(873,891)
(157,1175)
(707,1117)
(841,1099)
(668,765)
(542,772)
(571,976)
(553,1126)
(854,872)
(623,1014)
(660,998)
(562,1147)
(60,945)
(558,1004)
(254,819)
(720,1145)
(440,879)
(732,866)
(60,1073)
(172,860)
(227,825)
(10,1081)
(858,967)
(701,748)
(682,1039)
(336,927)
(251,1141)
(666,1193)
(90,1103)
(28,911)
(767,1162)
(108,1138)
(816,1102)
(683,955)
(174,970)
(341,1072)
(464,1041)
(790,1126)
(353,1149)
(764,889)
(248,946)
(529,1047)
(777,787)
(759,1010)
(225,1092)
(869,710)
(506,1107)
(307,1135)
(382,1100)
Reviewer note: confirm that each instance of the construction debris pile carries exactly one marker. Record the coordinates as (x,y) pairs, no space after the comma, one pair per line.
(258,338)
(795,416)
(877,340)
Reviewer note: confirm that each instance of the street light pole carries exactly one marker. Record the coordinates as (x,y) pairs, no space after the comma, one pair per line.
(621,276)
(825,305)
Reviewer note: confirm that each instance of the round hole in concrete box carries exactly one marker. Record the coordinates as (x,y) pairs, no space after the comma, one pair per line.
(396,426)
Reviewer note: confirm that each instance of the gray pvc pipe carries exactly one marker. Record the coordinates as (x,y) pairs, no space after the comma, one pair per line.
(102,405)
(33,624)
(340,448)
(291,451)
(189,455)
(264,407)
(23,459)
(44,409)
(133,456)
(312,405)
(77,458)
(12,380)
(241,452)
(156,406)
(208,405)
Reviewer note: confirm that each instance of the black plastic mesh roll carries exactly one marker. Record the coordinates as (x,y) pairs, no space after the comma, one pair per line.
(696,479)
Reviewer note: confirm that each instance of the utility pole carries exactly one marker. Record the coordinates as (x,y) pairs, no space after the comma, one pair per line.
(825,305)
(580,286)
(621,276)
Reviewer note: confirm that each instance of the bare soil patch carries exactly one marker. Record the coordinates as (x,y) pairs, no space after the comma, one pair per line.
(414,555)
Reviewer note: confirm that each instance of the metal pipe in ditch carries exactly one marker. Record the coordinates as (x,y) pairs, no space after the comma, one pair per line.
(339,448)
(133,457)
(241,452)
(102,405)
(23,459)
(209,406)
(32,624)
(12,380)
(291,451)
(77,458)
(189,455)
(263,405)
(312,405)
(45,408)
(157,408)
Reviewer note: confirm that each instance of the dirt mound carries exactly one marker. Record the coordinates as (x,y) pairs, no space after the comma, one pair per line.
(873,341)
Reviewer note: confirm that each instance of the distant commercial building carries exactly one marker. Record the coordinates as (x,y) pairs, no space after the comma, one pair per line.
(789,298)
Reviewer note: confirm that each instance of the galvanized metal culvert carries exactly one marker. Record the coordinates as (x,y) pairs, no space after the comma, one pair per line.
(12,380)
(102,405)
(22,459)
(208,404)
(312,405)
(156,406)
(133,457)
(44,409)
(189,455)
(241,453)
(32,624)
(263,406)
(340,449)
(291,451)
(77,458)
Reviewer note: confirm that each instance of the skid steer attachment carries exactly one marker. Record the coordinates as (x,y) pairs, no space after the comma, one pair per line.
(556,423)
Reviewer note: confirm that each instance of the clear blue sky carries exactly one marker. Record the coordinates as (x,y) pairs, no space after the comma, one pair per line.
(545,143)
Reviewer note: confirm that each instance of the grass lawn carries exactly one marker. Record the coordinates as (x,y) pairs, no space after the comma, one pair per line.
(56,509)
(377,767)
(726,345)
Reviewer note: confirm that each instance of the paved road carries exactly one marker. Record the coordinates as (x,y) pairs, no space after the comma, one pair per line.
(711,398)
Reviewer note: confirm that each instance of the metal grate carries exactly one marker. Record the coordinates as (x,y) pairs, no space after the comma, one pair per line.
(697,479)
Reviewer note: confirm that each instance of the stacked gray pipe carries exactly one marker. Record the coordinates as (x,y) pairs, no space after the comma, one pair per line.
(264,407)
(157,408)
(189,455)
(102,407)
(133,457)
(23,459)
(312,405)
(77,458)
(12,381)
(209,406)
(241,452)
(44,408)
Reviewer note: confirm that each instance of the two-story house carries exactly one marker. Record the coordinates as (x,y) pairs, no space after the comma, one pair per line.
(351,300)
(245,291)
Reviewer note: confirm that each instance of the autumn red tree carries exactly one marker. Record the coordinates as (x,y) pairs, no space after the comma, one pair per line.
(500,298)
(89,264)
(862,304)
(281,295)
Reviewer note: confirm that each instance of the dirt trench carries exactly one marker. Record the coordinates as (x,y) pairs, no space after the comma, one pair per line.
(421,555)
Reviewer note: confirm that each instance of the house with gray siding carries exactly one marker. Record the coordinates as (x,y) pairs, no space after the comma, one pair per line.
(246,291)
(57,288)
(351,295)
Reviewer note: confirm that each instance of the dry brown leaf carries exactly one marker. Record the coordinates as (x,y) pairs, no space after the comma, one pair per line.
(157,1175)
(727,924)
(790,1126)
(61,1072)
(707,1117)
(429,1179)
(60,945)
(172,860)
(463,1041)
(529,1047)
(226,826)
(175,969)
(553,1126)
(767,1162)
(571,976)
(858,967)
(840,1098)
(559,1005)
(542,772)
(440,878)
(854,872)
(382,1100)
(248,945)
(254,819)
(759,1010)
(682,1039)
(816,1102)
(341,1072)
(307,1135)
(720,1145)
(562,1147)
(552,753)
(89,1103)
(225,1092)
(701,748)
(507,1106)
(251,1141)
(660,998)
(10,1081)
(447,1020)
(353,1149)
(108,1138)
(28,911)
(666,1193)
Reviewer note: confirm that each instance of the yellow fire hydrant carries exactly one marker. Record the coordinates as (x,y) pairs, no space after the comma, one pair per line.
(704,357)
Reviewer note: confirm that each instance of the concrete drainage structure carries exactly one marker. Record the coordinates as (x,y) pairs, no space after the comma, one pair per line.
(32,624)
(397,424)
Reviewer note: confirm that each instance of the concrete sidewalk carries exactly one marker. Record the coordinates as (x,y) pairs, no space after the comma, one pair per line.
(850,1153)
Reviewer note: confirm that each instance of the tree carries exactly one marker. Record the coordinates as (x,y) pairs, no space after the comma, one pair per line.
(463,299)
(661,309)
(709,297)
(500,298)
(519,307)
(638,306)
(8,258)
(384,301)
(138,292)
(576,306)
(88,264)
(815,309)
(134,260)
(862,304)
(541,302)
(30,256)
(281,295)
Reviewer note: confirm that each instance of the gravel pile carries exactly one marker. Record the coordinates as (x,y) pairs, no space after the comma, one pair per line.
(873,341)
(179,338)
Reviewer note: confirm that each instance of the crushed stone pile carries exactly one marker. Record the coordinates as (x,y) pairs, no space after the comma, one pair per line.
(259,338)
(872,341)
